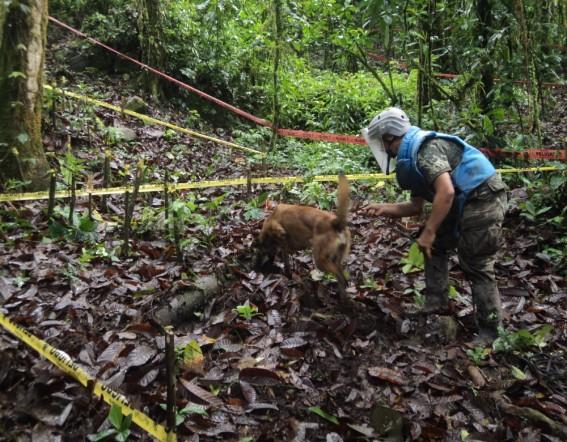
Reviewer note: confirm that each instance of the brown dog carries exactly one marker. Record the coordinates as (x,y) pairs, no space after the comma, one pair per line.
(292,227)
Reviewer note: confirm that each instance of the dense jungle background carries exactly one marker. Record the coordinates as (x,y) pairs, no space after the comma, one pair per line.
(260,356)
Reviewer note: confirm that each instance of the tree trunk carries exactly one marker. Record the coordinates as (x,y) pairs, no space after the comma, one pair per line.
(533,96)
(150,28)
(276,84)
(484,13)
(23,27)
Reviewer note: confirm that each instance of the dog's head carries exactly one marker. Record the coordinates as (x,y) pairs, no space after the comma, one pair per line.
(268,241)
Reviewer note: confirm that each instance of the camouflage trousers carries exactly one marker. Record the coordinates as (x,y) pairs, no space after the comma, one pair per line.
(476,235)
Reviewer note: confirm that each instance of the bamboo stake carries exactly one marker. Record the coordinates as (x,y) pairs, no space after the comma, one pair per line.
(130,206)
(248,182)
(52,188)
(166,195)
(107,178)
(126,226)
(176,237)
(89,190)
(170,374)
(73,198)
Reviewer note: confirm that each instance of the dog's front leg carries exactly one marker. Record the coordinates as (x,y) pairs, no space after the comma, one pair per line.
(342,284)
(287,269)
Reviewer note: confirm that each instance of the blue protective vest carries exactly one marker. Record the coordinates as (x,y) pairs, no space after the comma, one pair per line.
(473,170)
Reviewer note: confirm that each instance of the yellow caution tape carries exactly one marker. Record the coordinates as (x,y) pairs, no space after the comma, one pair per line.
(155,121)
(144,188)
(66,364)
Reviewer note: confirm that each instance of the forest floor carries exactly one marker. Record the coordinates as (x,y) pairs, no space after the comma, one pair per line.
(305,367)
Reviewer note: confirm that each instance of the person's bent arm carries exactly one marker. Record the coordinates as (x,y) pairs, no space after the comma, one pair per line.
(397,210)
(442,202)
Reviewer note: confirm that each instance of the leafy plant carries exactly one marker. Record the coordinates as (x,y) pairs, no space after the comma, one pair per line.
(98,251)
(181,415)
(478,354)
(314,193)
(253,209)
(151,221)
(329,417)
(247,310)
(521,340)
(190,357)
(370,283)
(14,185)
(518,374)
(531,212)
(417,291)
(70,166)
(453,293)
(83,229)
(121,424)
(414,261)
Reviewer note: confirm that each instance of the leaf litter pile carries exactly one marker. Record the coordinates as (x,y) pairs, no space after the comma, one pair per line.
(260,355)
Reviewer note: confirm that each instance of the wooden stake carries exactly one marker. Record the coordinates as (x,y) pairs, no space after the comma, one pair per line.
(170,374)
(126,227)
(106,180)
(52,188)
(248,182)
(89,190)
(73,199)
(166,195)
(176,238)
(130,206)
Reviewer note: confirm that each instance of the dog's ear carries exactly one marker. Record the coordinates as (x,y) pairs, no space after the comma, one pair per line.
(278,231)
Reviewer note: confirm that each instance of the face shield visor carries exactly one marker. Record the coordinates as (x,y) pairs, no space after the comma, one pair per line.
(386,163)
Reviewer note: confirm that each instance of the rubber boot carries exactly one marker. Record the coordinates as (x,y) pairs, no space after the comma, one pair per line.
(488,316)
(436,283)
(436,302)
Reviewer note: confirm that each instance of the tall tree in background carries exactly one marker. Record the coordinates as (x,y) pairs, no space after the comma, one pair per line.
(484,13)
(276,84)
(23,27)
(150,26)
(530,70)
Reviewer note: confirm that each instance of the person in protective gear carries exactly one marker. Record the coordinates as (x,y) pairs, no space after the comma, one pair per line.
(468,205)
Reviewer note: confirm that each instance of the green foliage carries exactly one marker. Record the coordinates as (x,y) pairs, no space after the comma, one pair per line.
(151,221)
(414,261)
(10,221)
(83,229)
(181,415)
(546,203)
(335,102)
(478,354)
(518,374)
(328,417)
(247,310)
(121,426)
(370,283)
(417,292)
(453,293)
(521,340)
(70,166)
(323,158)
(253,209)
(98,251)
(13,185)
(531,212)
(314,193)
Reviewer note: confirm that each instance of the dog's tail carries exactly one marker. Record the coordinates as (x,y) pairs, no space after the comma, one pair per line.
(343,202)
